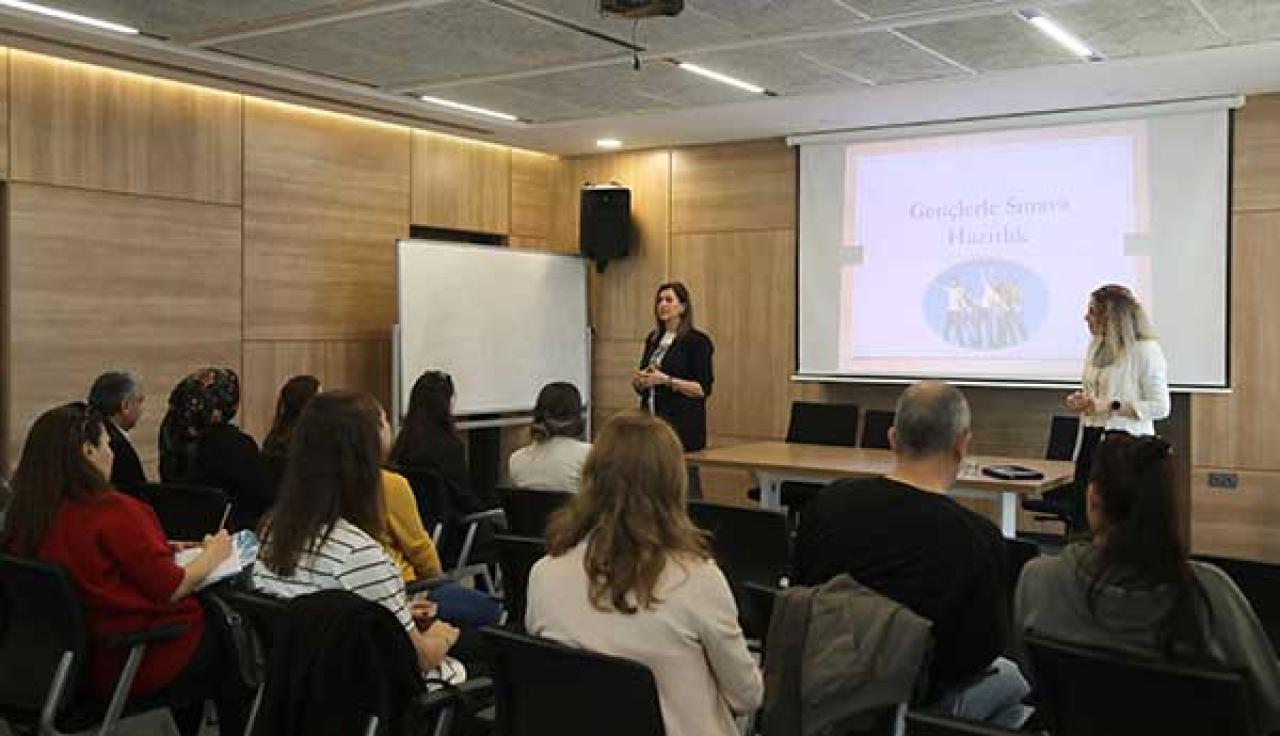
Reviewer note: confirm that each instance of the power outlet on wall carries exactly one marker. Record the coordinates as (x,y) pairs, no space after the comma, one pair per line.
(1224,481)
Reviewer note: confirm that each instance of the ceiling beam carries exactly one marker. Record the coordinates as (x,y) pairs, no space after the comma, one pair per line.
(897,22)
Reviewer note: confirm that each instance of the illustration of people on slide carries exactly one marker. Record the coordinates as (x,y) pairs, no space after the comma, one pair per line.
(983,306)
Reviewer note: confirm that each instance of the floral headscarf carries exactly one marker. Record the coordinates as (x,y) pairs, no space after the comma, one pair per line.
(207,397)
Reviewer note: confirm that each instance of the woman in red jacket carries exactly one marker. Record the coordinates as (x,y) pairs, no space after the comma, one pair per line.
(65,512)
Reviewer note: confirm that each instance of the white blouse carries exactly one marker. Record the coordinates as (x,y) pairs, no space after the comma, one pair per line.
(1139,377)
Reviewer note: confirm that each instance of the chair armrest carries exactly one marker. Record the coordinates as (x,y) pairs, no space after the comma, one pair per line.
(497,516)
(471,692)
(131,639)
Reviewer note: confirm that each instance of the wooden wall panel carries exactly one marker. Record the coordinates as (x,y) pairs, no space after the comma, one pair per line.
(1235,430)
(532,194)
(622,297)
(743,293)
(100,281)
(1256,160)
(357,365)
(461,184)
(1244,522)
(613,362)
(4,113)
(734,186)
(95,128)
(326,197)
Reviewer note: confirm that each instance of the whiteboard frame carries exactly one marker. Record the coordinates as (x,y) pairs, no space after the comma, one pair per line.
(521,415)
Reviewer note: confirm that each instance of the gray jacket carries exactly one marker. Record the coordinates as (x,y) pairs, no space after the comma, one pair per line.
(836,652)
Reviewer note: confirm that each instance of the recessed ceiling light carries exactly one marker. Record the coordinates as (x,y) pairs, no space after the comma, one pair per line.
(468,108)
(724,78)
(1067,39)
(609,143)
(64,15)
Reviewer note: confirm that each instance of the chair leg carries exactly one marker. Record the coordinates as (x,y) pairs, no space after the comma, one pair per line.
(120,695)
(50,710)
(444,722)
(372,729)
(253,709)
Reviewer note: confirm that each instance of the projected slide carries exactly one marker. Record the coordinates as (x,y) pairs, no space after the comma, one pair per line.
(976,253)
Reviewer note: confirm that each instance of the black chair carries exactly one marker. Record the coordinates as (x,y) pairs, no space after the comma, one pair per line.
(875,429)
(1260,583)
(751,546)
(186,512)
(44,652)
(1064,434)
(931,724)
(1018,552)
(547,689)
(814,423)
(528,510)
(1089,692)
(456,536)
(516,556)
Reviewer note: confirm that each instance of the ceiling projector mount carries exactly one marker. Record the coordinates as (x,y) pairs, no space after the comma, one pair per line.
(637,9)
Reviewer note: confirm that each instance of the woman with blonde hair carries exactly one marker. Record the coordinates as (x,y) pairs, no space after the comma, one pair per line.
(628,574)
(1124,386)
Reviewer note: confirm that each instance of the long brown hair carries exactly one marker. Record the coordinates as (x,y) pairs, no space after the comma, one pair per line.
(430,415)
(53,469)
(294,395)
(682,295)
(333,473)
(631,509)
(1124,323)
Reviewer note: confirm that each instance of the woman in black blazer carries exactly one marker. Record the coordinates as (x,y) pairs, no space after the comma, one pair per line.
(674,378)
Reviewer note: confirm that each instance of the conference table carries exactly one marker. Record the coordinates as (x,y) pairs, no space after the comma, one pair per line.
(774,463)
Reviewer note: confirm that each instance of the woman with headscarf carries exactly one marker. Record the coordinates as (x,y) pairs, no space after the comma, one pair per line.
(200,445)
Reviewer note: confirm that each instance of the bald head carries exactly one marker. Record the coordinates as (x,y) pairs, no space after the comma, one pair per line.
(931,418)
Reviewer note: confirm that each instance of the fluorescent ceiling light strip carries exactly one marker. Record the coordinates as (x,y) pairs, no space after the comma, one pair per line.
(65,15)
(609,143)
(724,78)
(464,107)
(1065,38)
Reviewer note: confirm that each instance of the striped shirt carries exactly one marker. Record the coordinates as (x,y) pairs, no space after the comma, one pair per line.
(348,560)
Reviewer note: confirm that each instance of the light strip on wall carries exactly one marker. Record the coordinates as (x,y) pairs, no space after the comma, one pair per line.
(1065,38)
(724,78)
(468,108)
(65,15)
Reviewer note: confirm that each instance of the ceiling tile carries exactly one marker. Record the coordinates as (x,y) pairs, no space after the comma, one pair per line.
(882,58)
(880,8)
(445,42)
(996,42)
(515,97)
(781,70)
(186,17)
(1246,20)
(761,17)
(691,29)
(1126,28)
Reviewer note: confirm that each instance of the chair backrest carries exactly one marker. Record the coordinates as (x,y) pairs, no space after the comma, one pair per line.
(546,688)
(186,512)
(41,620)
(429,493)
(1063,433)
(815,423)
(1086,691)
(932,724)
(528,510)
(1260,583)
(1017,553)
(516,556)
(263,612)
(750,545)
(875,429)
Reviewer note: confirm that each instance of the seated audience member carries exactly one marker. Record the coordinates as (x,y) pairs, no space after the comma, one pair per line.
(294,395)
(64,511)
(429,439)
(901,536)
(200,445)
(1133,588)
(628,574)
(118,398)
(554,461)
(323,532)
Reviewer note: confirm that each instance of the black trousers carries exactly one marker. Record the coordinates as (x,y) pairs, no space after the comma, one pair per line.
(1072,498)
(212,674)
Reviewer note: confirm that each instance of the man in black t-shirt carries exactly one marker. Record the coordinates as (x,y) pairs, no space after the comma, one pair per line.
(901,536)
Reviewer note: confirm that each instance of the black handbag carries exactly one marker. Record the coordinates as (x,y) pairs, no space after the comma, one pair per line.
(236,636)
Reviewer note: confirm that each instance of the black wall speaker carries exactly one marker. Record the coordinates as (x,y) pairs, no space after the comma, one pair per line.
(604,223)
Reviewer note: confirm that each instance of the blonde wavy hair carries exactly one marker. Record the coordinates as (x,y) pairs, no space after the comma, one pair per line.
(1124,322)
(631,511)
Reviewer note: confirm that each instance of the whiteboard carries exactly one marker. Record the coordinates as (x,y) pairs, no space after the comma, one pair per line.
(502,321)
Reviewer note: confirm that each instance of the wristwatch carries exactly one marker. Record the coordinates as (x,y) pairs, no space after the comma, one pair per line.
(1115,405)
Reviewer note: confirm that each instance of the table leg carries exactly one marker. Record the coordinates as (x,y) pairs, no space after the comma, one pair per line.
(770,490)
(1009,514)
